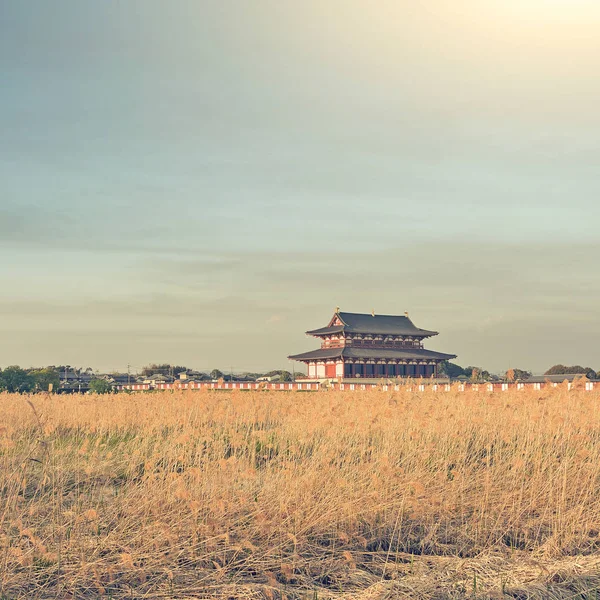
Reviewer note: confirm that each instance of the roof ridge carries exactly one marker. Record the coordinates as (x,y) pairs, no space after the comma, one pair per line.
(370,314)
(338,314)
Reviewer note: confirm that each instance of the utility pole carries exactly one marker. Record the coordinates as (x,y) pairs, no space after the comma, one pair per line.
(128,373)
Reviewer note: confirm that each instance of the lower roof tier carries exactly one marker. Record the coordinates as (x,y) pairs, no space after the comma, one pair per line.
(371,353)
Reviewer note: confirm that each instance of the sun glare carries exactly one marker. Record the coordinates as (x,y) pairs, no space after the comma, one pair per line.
(569,10)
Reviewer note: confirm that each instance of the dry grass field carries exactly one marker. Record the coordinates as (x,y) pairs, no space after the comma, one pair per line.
(301,495)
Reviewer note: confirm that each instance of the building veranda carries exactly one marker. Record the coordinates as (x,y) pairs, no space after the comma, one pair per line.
(355,345)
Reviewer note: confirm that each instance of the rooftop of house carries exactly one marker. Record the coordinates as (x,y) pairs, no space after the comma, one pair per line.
(75,376)
(158,377)
(558,378)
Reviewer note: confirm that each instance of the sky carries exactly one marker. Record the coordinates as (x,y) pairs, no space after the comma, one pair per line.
(200,182)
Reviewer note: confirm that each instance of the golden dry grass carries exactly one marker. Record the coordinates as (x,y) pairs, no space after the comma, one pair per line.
(324,495)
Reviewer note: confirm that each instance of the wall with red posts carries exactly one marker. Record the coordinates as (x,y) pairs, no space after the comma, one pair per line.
(350,387)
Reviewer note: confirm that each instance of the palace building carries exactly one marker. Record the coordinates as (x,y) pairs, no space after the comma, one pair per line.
(371,346)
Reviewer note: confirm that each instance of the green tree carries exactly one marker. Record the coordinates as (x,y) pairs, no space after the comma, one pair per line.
(517,375)
(285,376)
(477,374)
(163,369)
(16,380)
(573,370)
(100,386)
(451,370)
(557,370)
(281,374)
(44,378)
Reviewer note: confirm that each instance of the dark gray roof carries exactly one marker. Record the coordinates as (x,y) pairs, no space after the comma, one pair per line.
(327,330)
(375,324)
(83,377)
(554,378)
(373,353)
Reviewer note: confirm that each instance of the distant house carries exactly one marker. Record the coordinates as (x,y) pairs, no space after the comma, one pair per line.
(158,378)
(119,379)
(71,376)
(192,375)
(269,378)
(72,380)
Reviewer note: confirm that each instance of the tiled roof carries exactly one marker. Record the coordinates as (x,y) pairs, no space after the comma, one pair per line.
(327,330)
(554,378)
(375,324)
(373,353)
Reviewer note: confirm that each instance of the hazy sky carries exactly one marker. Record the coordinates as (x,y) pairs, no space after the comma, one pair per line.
(200,182)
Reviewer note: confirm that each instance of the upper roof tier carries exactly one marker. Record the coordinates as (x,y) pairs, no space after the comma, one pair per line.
(372,353)
(374,324)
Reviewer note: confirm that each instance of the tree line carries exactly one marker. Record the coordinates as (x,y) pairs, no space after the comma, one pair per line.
(14,379)
(477,374)
(176,370)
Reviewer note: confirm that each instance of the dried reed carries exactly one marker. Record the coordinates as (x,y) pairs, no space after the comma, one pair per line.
(331,494)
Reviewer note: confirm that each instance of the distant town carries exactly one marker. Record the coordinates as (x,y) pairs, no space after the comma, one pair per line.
(69,379)
(368,348)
